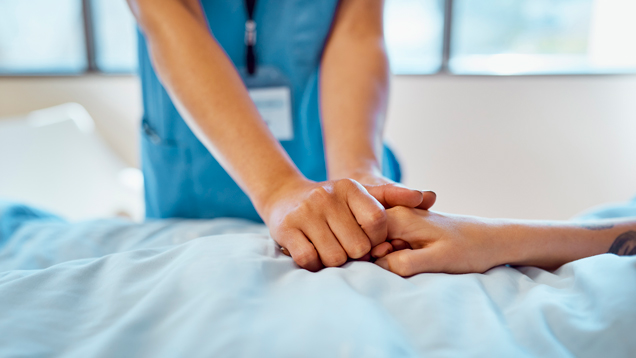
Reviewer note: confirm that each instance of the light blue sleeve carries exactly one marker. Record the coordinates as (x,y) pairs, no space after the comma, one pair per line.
(609,211)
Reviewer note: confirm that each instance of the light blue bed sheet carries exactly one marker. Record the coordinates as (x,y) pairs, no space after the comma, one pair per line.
(220,288)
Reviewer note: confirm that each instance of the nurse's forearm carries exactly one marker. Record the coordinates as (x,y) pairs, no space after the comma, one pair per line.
(211,97)
(353,89)
(320,223)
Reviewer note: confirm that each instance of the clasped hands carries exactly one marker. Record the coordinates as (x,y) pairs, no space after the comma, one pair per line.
(326,223)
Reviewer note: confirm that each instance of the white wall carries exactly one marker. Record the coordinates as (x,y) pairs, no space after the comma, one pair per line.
(527,147)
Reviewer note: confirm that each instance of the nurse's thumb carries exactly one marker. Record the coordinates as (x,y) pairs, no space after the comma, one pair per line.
(391,195)
(428,199)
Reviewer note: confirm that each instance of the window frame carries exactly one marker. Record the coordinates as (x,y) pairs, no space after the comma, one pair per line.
(89,38)
(88,29)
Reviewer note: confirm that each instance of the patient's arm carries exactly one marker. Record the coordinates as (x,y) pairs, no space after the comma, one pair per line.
(462,244)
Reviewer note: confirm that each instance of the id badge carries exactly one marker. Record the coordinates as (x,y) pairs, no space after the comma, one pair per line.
(271,93)
(274,105)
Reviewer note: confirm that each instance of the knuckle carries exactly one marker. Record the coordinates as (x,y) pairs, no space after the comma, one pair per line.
(304,207)
(286,223)
(305,257)
(335,259)
(401,265)
(347,182)
(400,216)
(319,195)
(376,219)
(283,235)
(360,249)
(400,211)
(378,216)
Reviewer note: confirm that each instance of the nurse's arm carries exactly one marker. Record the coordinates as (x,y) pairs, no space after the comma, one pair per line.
(210,96)
(319,223)
(353,93)
(354,89)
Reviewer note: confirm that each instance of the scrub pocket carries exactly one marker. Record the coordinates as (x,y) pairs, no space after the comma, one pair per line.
(167,176)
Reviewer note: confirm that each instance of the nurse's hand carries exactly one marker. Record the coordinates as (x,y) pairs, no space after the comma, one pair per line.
(373,182)
(390,193)
(328,222)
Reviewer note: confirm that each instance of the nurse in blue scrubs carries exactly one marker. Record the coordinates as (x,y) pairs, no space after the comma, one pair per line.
(272,110)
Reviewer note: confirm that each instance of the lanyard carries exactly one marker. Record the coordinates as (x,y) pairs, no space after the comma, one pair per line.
(250,36)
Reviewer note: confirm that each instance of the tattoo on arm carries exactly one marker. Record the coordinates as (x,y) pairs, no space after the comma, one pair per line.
(624,245)
(591,226)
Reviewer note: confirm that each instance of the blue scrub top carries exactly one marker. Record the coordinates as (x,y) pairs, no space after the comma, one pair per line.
(182,179)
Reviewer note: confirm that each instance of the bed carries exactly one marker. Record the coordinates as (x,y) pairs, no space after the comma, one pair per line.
(221,288)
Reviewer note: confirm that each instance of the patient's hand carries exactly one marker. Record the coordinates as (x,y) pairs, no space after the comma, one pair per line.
(438,243)
(462,244)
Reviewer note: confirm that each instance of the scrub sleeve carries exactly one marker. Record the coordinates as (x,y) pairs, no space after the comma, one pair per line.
(182,179)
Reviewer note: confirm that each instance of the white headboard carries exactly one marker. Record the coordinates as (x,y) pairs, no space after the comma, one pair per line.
(53,158)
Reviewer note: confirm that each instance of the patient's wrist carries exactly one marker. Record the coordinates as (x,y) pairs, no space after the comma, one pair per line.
(530,243)
(493,240)
(511,241)
(512,246)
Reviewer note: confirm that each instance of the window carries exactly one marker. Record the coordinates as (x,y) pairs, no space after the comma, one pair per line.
(61,37)
(543,36)
(41,36)
(413,31)
(487,37)
(115,36)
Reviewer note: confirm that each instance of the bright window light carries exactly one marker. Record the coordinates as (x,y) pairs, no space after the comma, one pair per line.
(489,37)
(41,37)
(413,32)
(115,36)
(507,37)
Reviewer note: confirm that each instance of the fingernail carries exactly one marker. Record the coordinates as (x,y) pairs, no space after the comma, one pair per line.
(429,191)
